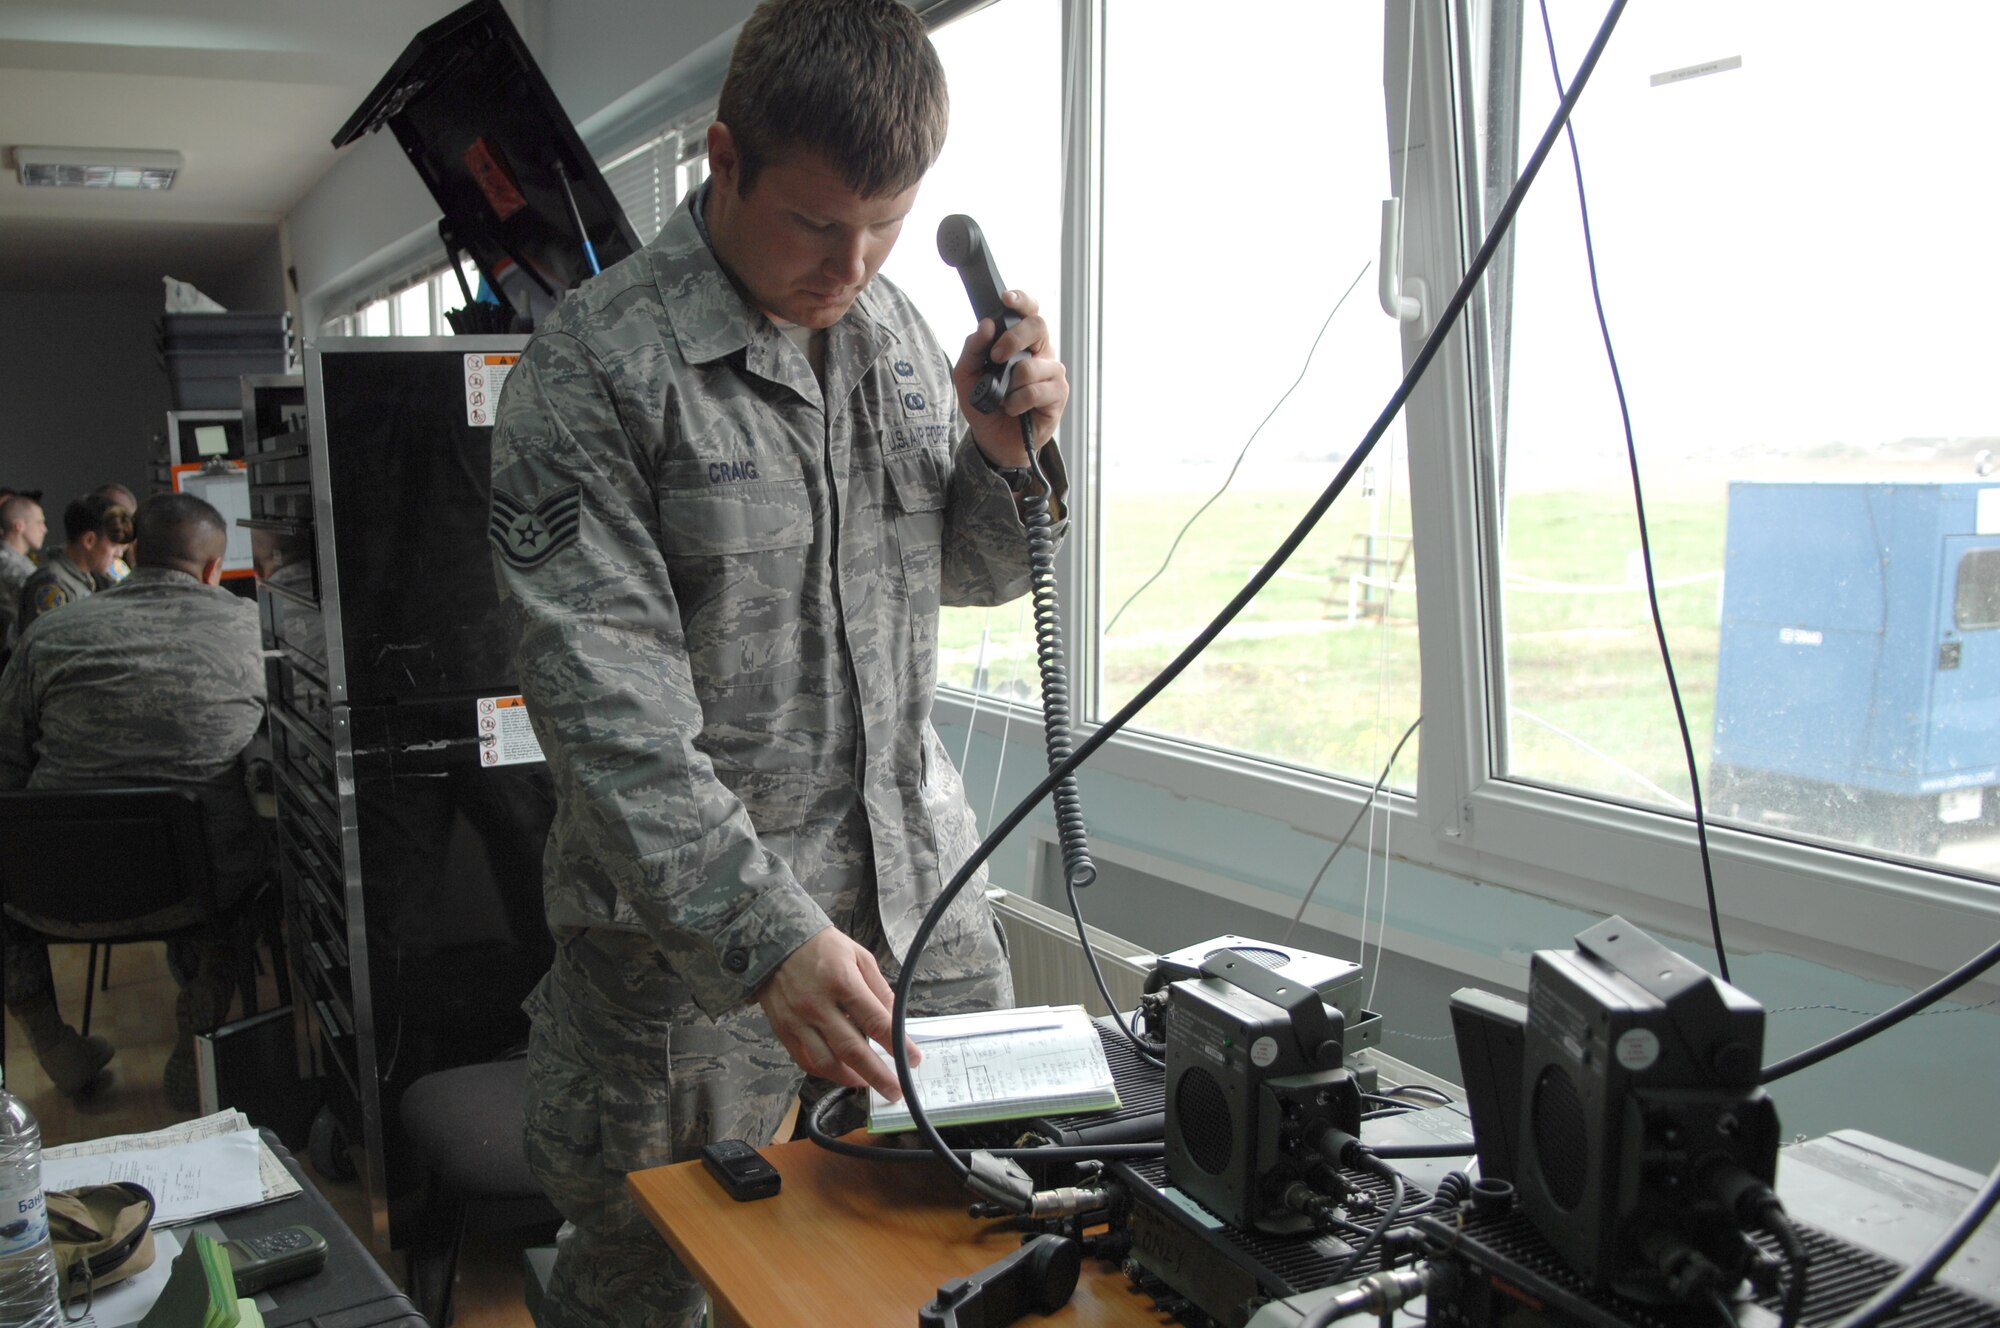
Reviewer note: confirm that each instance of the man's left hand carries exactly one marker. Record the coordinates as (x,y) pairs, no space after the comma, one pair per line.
(1039,386)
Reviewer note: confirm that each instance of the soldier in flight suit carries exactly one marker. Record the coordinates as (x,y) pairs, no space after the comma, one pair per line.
(159,680)
(94,529)
(731,487)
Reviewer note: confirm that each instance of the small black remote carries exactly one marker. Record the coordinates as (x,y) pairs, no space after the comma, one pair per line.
(741,1169)
(279,1256)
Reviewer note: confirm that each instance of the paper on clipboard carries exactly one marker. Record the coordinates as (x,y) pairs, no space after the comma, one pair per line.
(226,488)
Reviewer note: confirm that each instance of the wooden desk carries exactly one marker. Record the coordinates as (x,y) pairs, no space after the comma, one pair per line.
(846,1242)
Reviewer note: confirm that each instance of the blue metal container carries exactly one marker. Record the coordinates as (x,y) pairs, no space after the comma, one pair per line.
(1858,677)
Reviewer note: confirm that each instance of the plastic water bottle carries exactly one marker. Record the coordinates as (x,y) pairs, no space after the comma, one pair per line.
(27,1261)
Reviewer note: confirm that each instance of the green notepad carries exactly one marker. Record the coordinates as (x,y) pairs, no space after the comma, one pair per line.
(200,1290)
(1003,1065)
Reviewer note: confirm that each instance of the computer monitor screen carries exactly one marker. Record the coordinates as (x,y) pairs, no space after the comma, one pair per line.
(204,435)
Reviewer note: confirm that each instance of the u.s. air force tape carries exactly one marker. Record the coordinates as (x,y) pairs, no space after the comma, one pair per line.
(528,536)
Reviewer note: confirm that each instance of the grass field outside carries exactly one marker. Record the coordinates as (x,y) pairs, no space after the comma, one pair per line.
(1297,680)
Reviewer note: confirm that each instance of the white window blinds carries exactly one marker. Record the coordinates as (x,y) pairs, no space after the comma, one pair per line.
(651,179)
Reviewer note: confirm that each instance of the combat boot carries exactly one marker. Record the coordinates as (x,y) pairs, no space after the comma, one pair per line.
(71,1060)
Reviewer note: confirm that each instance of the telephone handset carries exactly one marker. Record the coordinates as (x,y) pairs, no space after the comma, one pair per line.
(962,246)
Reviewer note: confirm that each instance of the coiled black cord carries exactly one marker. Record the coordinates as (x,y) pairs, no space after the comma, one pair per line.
(1078,870)
(1453,1190)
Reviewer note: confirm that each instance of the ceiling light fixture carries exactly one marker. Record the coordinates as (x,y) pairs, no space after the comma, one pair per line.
(97,168)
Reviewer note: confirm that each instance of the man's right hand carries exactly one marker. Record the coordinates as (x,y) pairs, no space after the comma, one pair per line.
(826,1002)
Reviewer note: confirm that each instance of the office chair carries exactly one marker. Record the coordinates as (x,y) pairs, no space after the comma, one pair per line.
(101,862)
(467,1126)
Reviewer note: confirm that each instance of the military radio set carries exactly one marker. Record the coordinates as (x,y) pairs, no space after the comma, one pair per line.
(1626,1150)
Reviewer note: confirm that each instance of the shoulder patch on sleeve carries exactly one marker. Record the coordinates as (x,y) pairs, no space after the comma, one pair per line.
(50,596)
(528,535)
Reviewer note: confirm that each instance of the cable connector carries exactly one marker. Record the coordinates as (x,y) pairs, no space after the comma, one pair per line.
(1342,1148)
(1001,1180)
(1068,1201)
(1380,1293)
(1749,1200)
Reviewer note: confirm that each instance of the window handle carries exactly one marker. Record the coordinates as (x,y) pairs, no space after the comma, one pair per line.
(1401,300)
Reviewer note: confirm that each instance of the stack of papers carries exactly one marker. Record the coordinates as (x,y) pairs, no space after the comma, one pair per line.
(1002,1065)
(195,1170)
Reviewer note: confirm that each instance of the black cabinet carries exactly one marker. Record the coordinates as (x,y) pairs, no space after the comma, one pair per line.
(411,861)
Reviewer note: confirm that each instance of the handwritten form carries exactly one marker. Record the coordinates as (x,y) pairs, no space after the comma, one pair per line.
(194,1170)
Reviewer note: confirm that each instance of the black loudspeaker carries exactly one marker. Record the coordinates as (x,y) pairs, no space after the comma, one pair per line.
(1489,1031)
(1254,1078)
(1638,1098)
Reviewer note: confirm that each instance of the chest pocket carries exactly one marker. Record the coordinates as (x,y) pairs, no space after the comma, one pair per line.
(917,488)
(737,549)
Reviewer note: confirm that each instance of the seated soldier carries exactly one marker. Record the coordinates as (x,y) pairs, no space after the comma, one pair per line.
(159,680)
(94,529)
(23,527)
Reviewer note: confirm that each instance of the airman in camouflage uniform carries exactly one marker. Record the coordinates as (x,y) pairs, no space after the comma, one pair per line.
(22,529)
(731,488)
(159,680)
(94,528)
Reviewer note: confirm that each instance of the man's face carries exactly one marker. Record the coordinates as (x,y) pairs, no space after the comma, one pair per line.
(34,527)
(96,552)
(802,242)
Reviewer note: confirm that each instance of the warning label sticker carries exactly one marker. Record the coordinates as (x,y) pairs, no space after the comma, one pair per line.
(504,735)
(484,375)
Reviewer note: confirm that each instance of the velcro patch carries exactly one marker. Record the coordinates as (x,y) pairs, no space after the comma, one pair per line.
(529,536)
(50,596)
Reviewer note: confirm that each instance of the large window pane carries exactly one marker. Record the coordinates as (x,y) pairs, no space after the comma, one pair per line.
(1795,253)
(1245,168)
(1001,166)
(413,310)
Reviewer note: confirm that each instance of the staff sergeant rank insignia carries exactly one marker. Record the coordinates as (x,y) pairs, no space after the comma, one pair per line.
(528,536)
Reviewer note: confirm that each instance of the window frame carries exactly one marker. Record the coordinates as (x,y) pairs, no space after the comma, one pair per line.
(1890,920)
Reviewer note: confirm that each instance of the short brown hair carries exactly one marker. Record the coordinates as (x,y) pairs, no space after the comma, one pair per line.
(15,509)
(95,514)
(855,81)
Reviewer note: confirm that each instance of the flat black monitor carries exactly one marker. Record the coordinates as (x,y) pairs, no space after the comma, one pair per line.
(518,189)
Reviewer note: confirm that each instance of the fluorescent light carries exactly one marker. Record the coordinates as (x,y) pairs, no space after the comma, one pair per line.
(97,168)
